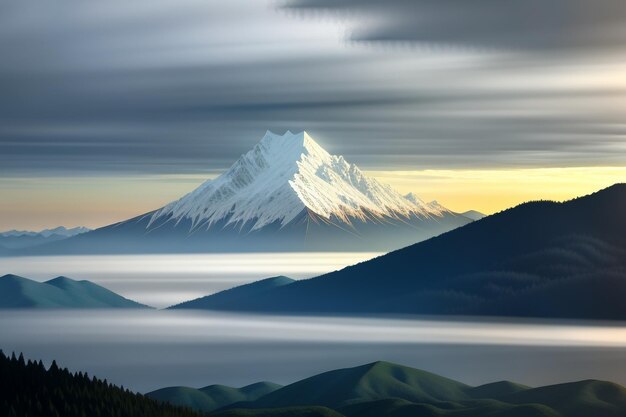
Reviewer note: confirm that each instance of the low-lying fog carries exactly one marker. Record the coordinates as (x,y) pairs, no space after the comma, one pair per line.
(164,280)
(145,350)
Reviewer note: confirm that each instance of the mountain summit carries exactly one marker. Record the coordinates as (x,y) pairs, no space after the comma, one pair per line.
(286,194)
(284,176)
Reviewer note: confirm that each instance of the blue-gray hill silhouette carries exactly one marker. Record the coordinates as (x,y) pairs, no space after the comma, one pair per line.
(236,295)
(21,239)
(60,292)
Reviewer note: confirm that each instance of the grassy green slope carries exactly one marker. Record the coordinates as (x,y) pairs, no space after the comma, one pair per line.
(497,389)
(367,382)
(184,396)
(472,408)
(312,411)
(577,399)
(212,397)
(383,389)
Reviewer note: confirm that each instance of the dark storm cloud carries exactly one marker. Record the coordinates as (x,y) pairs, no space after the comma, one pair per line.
(187,86)
(539,25)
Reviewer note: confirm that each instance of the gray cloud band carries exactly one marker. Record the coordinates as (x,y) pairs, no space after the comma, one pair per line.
(537,25)
(149,90)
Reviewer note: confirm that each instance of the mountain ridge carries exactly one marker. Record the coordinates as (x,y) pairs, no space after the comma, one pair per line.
(538,259)
(60,230)
(18,239)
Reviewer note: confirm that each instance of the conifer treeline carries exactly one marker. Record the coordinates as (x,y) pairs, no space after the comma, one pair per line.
(28,389)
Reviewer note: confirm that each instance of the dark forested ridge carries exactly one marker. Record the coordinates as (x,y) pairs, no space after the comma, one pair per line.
(28,389)
(539,259)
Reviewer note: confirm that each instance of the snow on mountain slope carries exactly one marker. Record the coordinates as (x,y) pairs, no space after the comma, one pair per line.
(286,194)
(282,176)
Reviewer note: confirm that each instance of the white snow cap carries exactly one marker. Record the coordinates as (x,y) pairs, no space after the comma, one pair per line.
(282,176)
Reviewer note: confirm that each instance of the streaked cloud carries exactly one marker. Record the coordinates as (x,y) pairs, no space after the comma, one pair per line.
(542,26)
(187,86)
(113,90)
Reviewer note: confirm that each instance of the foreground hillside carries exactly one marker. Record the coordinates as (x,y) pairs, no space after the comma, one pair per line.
(539,259)
(386,389)
(379,389)
(29,389)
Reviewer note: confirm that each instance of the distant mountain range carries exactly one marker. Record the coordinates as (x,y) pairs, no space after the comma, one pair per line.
(60,292)
(473,214)
(286,194)
(539,259)
(382,389)
(60,231)
(18,239)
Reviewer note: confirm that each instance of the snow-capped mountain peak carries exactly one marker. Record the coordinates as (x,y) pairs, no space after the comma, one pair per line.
(414,199)
(281,177)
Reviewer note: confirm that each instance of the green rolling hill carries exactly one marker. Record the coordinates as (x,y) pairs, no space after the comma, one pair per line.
(308,411)
(576,399)
(212,397)
(383,389)
(379,389)
(365,383)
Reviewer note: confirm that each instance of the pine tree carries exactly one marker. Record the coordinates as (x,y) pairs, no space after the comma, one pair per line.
(28,389)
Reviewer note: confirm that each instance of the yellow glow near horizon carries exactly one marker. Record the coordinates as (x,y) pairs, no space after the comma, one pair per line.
(36,203)
(493,190)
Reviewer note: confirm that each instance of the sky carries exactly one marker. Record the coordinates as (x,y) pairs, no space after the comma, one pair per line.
(111,109)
